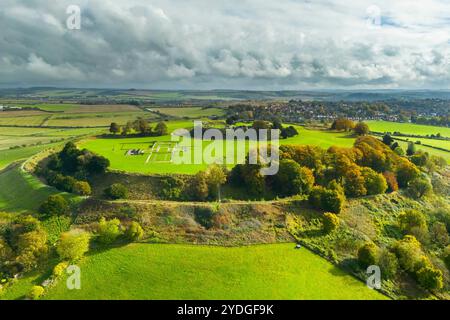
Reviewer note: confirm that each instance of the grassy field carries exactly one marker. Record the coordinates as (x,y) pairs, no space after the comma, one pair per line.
(145,271)
(21,191)
(407,128)
(115,149)
(9,156)
(194,112)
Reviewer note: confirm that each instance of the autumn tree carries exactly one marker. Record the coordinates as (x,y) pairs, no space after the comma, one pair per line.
(292,179)
(361,129)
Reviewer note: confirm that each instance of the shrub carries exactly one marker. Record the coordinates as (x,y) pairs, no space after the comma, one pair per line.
(82,188)
(134,231)
(204,216)
(116,191)
(368,254)
(361,129)
(35,293)
(330,222)
(388,263)
(331,200)
(391,181)
(55,205)
(409,253)
(419,188)
(412,219)
(73,245)
(439,234)
(446,257)
(430,278)
(59,269)
(171,188)
(406,172)
(108,231)
(374,182)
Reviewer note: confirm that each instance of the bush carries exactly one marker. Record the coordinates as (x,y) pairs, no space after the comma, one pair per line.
(134,231)
(330,222)
(108,231)
(412,220)
(368,254)
(409,253)
(82,188)
(73,245)
(419,188)
(406,172)
(59,269)
(331,200)
(35,293)
(374,182)
(55,205)
(430,278)
(439,234)
(388,263)
(204,216)
(116,191)
(391,181)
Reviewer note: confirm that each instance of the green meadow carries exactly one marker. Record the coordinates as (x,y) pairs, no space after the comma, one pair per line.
(22,192)
(159,271)
(191,112)
(407,128)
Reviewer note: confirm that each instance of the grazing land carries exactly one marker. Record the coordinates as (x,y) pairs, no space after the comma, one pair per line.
(408,128)
(194,112)
(197,272)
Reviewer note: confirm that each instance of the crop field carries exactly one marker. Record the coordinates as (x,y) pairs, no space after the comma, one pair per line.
(23,120)
(190,112)
(155,272)
(407,128)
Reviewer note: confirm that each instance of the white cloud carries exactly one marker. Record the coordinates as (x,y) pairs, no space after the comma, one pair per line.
(283,44)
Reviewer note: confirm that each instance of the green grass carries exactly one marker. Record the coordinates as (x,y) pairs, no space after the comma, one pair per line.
(115,149)
(9,156)
(407,128)
(145,271)
(22,192)
(192,112)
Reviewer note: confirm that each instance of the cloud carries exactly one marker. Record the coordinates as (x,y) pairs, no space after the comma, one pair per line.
(204,44)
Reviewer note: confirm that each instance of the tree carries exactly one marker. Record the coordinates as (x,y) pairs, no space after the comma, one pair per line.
(409,253)
(134,231)
(374,182)
(419,188)
(114,128)
(411,149)
(446,257)
(116,191)
(406,171)
(73,245)
(420,159)
(399,151)
(31,247)
(82,188)
(277,125)
(293,179)
(354,183)
(108,230)
(331,200)
(260,124)
(330,222)
(35,293)
(161,129)
(368,254)
(361,129)
(343,124)
(387,139)
(142,127)
(127,129)
(391,181)
(55,205)
(199,186)
(97,164)
(216,177)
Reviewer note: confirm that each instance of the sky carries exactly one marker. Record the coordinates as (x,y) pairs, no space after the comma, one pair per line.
(226,44)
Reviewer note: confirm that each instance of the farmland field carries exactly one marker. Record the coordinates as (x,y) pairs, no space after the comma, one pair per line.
(196,272)
(407,128)
(194,112)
